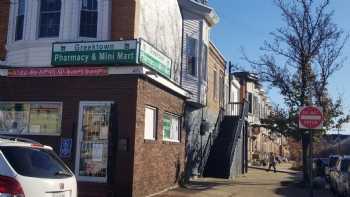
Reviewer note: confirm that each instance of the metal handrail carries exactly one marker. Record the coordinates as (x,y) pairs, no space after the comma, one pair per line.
(240,126)
(210,140)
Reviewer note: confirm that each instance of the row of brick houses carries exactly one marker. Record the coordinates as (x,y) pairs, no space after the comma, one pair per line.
(131,94)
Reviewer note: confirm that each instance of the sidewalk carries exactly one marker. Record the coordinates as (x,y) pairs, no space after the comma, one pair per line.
(257,182)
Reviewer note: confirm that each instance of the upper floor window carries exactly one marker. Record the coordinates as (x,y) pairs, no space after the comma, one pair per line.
(215,85)
(221,89)
(250,101)
(88,19)
(191,56)
(50,14)
(204,61)
(20,20)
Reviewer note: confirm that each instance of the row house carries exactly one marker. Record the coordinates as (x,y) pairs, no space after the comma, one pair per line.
(261,141)
(198,19)
(100,82)
(204,76)
(124,91)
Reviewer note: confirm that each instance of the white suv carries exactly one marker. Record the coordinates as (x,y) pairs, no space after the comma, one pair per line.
(30,169)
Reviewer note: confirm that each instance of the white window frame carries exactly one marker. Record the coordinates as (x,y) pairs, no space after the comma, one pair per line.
(37,102)
(79,139)
(196,57)
(171,115)
(16,21)
(60,31)
(155,118)
(98,22)
(104,8)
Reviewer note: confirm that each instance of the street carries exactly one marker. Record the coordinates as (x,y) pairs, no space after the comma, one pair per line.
(256,183)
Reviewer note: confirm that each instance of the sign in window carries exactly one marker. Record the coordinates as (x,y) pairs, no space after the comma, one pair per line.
(171,127)
(30,118)
(92,146)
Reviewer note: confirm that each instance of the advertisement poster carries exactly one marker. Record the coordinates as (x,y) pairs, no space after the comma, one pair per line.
(97,152)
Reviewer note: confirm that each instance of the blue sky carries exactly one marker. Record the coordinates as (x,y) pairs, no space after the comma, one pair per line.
(247,23)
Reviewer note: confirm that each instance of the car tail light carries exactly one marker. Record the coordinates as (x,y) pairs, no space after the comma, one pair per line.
(37,145)
(10,187)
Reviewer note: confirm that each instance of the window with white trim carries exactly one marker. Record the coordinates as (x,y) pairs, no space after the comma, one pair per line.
(191,53)
(171,127)
(50,17)
(150,123)
(30,118)
(20,20)
(88,19)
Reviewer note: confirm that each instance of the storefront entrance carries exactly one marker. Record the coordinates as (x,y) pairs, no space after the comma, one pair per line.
(92,141)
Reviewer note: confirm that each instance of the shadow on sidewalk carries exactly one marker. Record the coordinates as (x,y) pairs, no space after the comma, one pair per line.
(294,187)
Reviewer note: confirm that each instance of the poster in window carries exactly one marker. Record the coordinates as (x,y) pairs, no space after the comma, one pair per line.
(45,116)
(97,152)
(166,127)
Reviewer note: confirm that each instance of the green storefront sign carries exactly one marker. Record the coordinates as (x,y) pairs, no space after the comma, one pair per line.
(94,53)
(126,52)
(155,59)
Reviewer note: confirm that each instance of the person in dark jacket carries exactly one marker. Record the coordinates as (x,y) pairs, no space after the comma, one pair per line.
(272,162)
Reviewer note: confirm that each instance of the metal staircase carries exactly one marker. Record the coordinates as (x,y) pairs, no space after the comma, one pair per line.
(227,157)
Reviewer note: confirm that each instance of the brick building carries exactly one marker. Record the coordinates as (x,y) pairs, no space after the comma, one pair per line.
(98,80)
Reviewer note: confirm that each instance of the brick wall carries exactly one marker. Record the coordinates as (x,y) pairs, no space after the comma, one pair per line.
(70,91)
(157,164)
(124,19)
(4,16)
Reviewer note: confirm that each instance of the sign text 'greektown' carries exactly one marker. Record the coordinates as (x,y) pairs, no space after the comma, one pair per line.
(94,53)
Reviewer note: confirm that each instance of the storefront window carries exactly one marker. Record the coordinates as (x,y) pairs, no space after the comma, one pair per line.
(93,141)
(171,128)
(30,118)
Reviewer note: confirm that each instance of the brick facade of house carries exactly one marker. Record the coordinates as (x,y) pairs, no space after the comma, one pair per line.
(144,167)
(159,161)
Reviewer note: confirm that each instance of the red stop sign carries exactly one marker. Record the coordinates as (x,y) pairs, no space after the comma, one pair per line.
(310,118)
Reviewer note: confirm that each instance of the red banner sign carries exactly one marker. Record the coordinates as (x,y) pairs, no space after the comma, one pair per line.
(58,72)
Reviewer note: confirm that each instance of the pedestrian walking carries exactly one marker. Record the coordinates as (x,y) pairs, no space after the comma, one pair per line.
(272,162)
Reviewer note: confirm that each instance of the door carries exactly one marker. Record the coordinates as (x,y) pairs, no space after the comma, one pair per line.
(92,141)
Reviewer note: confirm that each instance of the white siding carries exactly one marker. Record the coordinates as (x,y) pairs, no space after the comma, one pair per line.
(194,27)
(161,25)
(34,51)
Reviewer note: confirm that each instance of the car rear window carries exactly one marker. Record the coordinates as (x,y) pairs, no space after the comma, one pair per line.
(333,161)
(36,162)
(345,165)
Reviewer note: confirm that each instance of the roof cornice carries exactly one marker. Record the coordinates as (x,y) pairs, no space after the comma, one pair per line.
(205,11)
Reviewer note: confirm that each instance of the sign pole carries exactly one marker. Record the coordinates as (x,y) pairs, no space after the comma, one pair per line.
(311,119)
(311,165)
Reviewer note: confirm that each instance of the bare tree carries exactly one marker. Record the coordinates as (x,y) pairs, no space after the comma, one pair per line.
(309,47)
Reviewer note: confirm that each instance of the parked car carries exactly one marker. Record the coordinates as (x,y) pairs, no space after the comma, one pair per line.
(319,165)
(30,169)
(339,180)
(333,159)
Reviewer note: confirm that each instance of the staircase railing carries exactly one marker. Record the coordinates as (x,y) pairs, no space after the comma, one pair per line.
(243,109)
(212,136)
